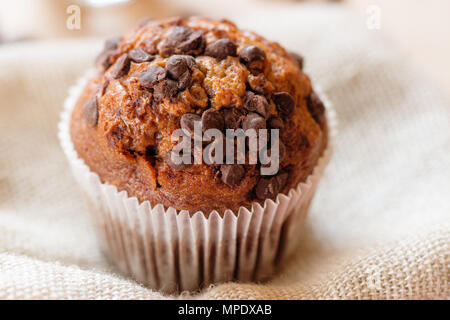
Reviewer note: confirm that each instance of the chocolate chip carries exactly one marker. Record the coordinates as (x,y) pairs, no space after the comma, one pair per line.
(172,164)
(232,174)
(271,186)
(152,76)
(112,43)
(229,118)
(179,68)
(212,119)
(138,55)
(176,36)
(285,103)
(90,111)
(116,138)
(194,42)
(150,46)
(171,88)
(316,108)
(165,89)
(104,58)
(183,40)
(187,122)
(221,49)
(265,189)
(250,54)
(179,34)
(276,123)
(233,117)
(190,61)
(176,65)
(257,83)
(299,59)
(156,77)
(121,67)
(256,103)
(185,80)
(253,121)
(247,96)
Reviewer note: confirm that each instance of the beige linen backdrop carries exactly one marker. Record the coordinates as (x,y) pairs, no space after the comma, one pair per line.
(379,225)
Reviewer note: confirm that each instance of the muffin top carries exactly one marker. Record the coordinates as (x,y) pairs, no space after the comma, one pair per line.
(167,74)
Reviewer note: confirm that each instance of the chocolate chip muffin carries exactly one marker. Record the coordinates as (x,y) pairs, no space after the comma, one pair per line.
(165,75)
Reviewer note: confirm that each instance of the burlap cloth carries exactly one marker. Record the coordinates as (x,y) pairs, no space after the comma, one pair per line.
(379,225)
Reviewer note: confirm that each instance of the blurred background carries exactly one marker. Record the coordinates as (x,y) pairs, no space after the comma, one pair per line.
(420,28)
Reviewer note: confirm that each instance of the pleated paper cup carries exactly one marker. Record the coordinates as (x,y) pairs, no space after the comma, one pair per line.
(174,250)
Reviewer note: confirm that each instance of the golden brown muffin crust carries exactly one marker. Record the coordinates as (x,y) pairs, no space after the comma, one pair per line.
(122,122)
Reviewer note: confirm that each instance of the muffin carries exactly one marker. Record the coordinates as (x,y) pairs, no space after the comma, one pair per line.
(164,76)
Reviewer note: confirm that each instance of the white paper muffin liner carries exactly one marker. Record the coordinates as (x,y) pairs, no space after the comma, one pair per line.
(174,251)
